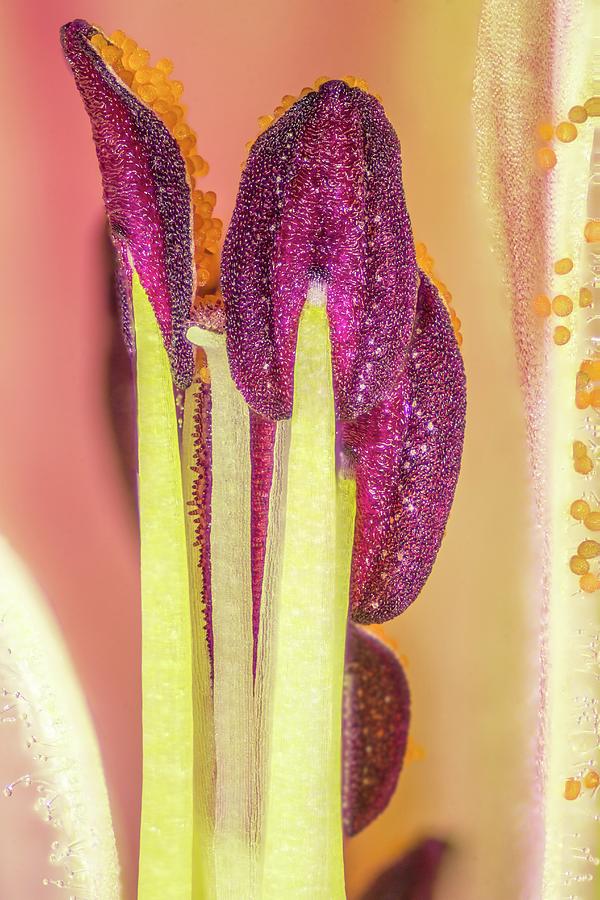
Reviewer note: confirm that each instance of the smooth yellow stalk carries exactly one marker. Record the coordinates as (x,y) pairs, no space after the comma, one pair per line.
(166,833)
(302,836)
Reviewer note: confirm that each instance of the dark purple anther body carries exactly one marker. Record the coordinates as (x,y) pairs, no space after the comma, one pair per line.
(321,199)
(146,193)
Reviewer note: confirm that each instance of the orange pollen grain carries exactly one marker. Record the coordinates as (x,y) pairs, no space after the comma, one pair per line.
(542,306)
(592,521)
(583,466)
(592,106)
(582,380)
(561,335)
(545,131)
(579,509)
(546,158)
(591,232)
(591,780)
(566,132)
(591,367)
(562,305)
(582,399)
(588,549)
(578,565)
(578,114)
(589,583)
(563,266)
(572,789)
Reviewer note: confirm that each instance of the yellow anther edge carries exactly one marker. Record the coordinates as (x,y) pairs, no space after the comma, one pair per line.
(565,131)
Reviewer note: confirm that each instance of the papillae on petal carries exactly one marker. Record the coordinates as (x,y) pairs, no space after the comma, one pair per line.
(321,199)
(376,718)
(406,454)
(146,193)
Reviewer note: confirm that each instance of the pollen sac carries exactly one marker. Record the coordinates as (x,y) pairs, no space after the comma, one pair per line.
(406,454)
(375,728)
(321,200)
(146,192)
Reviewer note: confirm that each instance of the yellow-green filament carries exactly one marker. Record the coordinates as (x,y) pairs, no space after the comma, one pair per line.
(167,820)
(302,829)
(231,590)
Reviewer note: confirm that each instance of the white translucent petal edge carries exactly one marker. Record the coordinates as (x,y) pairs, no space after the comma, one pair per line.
(66,775)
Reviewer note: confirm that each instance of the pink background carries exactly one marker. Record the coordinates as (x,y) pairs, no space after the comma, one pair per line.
(62,501)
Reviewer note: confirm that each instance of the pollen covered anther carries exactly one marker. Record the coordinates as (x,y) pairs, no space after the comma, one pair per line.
(153,85)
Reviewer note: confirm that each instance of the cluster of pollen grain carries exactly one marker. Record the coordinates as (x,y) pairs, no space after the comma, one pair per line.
(565,132)
(153,85)
(579,564)
(584,778)
(574,786)
(288,100)
(561,305)
(587,394)
(582,462)
(426,263)
(587,391)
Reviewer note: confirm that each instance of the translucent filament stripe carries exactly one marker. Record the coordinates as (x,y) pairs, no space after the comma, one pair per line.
(234,846)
